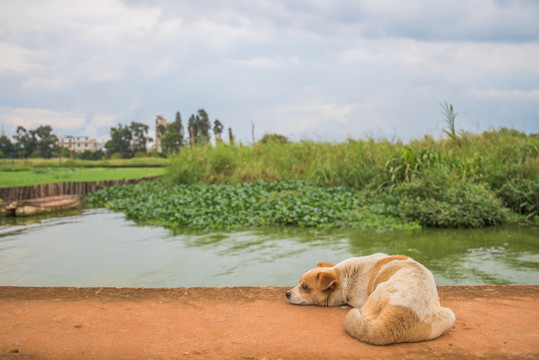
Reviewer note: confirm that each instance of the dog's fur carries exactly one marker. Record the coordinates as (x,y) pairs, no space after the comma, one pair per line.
(394,298)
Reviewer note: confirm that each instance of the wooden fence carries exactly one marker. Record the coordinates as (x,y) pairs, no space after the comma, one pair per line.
(65,188)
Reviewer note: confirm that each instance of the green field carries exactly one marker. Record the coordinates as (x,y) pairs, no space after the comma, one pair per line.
(42,175)
(30,164)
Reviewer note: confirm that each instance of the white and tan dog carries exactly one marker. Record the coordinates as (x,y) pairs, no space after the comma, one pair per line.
(394,298)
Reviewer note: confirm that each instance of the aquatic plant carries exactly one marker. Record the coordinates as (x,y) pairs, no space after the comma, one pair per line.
(203,206)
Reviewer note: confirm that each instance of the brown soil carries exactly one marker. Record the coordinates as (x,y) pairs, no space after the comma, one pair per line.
(493,322)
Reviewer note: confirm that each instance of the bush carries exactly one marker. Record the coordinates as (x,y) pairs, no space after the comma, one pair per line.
(521,195)
(116,156)
(274,138)
(436,201)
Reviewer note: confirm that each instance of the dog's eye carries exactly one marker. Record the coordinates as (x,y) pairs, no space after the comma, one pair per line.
(305,287)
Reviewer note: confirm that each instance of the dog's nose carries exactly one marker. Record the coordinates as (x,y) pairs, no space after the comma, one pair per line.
(288,294)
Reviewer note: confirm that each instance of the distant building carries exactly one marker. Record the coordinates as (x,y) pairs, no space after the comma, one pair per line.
(80,143)
(160,129)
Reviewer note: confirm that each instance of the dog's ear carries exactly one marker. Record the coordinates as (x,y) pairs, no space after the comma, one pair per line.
(324,264)
(327,280)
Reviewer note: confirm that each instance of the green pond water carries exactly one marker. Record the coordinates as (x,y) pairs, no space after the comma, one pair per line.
(97,247)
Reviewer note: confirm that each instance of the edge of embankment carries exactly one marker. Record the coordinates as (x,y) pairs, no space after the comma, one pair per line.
(220,294)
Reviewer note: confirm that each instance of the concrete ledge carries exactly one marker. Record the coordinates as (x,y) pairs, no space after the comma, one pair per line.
(493,322)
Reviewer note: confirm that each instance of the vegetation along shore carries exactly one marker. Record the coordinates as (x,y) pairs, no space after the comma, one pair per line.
(464,180)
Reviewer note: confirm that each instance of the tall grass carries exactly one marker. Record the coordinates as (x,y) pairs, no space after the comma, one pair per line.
(354,163)
(479,175)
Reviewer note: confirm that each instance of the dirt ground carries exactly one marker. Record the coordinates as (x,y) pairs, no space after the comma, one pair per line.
(493,322)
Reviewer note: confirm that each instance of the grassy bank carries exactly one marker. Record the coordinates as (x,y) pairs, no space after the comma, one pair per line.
(46,175)
(465,181)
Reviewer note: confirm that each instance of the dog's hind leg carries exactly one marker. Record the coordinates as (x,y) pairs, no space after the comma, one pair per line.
(442,320)
(356,325)
(380,323)
(372,330)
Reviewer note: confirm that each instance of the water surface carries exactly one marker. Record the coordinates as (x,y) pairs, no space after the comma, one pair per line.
(97,247)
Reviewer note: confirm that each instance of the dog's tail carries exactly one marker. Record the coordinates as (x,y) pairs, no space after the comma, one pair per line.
(396,324)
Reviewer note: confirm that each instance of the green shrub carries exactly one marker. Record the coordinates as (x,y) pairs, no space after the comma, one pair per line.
(276,138)
(116,156)
(437,201)
(521,195)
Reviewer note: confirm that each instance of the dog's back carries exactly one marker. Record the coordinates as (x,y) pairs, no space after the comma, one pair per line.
(402,305)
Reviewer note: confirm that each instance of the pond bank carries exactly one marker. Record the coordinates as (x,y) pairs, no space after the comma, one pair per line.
(494,322)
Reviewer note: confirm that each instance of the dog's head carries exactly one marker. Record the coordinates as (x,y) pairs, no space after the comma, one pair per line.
(315,286)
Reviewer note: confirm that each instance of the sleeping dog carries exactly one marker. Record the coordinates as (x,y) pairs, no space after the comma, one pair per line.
(394,298)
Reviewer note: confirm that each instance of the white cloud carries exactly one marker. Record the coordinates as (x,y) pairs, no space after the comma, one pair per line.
(289,66)
(77,42)
(301,116)
(98,20)
(61,122)
(507,95)
(15,59)
(159,68)
(98,127)
(259,63)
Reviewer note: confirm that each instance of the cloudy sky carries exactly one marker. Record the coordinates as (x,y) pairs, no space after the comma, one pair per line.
(317,69)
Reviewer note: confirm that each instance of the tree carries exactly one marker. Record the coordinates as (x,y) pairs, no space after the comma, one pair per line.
(204,126)
(173,138)
(217,129)
(138,137)
(45,141)
(193,130)
(162,130)
(177,125)
(120,141)
(171,142)
(90,155)
(230,136)
(7,150)
(40,142)
(274,138)
(25,143)
(128,140)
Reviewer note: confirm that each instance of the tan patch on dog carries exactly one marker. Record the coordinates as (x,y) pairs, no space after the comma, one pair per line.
(324,264)
(382,323)
(376,277)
